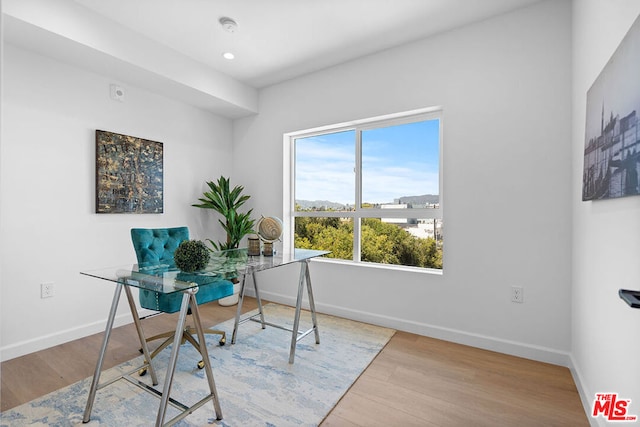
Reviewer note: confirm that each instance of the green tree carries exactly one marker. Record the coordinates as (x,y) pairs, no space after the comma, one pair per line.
(330,234)
(381,242)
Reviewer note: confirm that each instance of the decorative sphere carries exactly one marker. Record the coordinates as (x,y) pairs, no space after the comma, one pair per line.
(191,255)
(269,228)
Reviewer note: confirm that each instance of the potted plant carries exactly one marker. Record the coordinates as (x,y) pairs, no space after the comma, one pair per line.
(226,201)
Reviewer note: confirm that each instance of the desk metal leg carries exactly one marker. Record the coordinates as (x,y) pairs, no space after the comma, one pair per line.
(205,356)
(304,266)
(141,337)
(187,299)
(304,276)
(162,410)
(105,341)
(312,304)
(243,287)
(296,335)
(255,287)
(296,317)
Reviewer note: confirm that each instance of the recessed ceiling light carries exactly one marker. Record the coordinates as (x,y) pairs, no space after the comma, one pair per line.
(228,55)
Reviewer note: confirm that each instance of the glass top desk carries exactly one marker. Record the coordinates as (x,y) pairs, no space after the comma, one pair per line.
(223,265)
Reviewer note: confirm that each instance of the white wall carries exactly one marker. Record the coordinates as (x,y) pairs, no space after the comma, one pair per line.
(504,85)
(606,350)
(47,222)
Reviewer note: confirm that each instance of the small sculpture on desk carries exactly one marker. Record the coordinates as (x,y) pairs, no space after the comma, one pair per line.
(267,249)
(269,230)
(254,245)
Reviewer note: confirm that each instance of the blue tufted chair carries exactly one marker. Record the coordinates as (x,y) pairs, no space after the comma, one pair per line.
(154,249)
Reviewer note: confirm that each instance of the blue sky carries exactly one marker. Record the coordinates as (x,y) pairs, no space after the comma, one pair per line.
(400,160)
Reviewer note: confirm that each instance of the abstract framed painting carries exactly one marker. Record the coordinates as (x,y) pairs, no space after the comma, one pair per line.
(129,174)
(612,134)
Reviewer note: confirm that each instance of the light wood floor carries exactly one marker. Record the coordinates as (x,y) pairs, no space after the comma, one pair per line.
(414,381)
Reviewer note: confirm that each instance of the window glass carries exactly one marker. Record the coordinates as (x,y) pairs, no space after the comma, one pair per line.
(402,241)
(324,172)
(370,191)
(400,165)
(328,234)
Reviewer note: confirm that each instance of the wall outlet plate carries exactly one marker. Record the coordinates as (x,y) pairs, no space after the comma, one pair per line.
(517,294)
(46,290)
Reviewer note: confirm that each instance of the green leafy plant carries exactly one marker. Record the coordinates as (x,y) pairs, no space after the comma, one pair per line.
(191,255)
(226,202)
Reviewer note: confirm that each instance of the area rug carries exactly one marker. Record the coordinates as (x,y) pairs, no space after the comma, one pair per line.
(256,384)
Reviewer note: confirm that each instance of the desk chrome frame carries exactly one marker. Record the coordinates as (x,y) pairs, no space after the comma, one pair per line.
(188,300)
(297,335)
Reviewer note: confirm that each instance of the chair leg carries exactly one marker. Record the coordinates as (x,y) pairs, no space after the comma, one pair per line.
(187,336)
(169,339)
(163,335)
(223,335)
(142,372)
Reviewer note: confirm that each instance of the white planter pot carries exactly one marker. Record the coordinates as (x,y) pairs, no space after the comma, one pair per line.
(231,299)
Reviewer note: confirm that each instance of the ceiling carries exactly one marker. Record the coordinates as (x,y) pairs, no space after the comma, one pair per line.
(276,40)
(174,47)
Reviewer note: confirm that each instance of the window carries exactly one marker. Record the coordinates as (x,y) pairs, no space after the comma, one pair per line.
(368,191)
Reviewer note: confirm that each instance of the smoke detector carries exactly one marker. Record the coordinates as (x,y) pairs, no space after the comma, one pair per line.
(228,24)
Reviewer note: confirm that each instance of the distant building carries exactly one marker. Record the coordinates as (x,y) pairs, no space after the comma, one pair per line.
(421,228)
(398,220)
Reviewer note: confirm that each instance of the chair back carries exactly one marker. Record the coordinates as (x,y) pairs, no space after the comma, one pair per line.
(155,247)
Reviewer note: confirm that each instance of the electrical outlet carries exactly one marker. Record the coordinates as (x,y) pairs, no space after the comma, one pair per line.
(517,294)
(46,290)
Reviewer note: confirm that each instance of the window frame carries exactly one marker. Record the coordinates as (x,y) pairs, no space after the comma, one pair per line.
(423,114)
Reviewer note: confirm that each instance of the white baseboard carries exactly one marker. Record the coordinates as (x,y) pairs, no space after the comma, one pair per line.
(36,344)
(586,397)
(513,348)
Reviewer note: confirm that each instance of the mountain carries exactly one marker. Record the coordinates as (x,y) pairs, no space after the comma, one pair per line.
(308,204)
(416,200)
